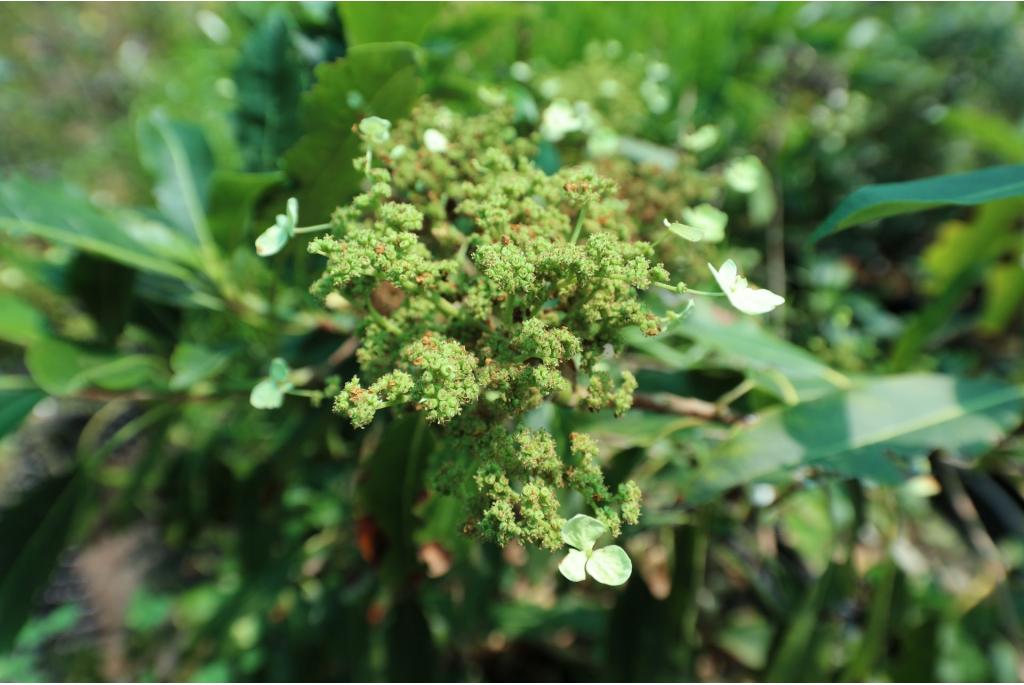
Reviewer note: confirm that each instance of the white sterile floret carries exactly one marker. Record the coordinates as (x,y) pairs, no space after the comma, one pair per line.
(745,298)
(521,71)
(710,220)
(559,119)
(702,222)
(702,139)
(273,240)
(744,174)
(691,233)
(609,565)
(376,129)
(434,140)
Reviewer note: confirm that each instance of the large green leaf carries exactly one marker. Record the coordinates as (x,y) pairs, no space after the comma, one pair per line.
(381,79)
(63,368)
(177,156)
(269,77)
(34,532)
(374,22)
(890,199)
(64,215)
(857,431)
(777,366)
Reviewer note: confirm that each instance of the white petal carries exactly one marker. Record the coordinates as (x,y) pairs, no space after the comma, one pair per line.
(582,531)
(610,565)
(574,565)
(691,233)
(293,210)
(710,220)
(271,241)
(755,300)
(726,276)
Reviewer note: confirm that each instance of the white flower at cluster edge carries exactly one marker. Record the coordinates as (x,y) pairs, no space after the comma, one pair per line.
(558,120)
(745,298)
(434,140)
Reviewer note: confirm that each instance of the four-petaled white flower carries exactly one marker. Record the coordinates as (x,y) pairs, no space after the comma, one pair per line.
(609,565)
(434,140)
(745,298)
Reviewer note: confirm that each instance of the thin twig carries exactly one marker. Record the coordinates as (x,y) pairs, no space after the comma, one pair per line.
(667,403)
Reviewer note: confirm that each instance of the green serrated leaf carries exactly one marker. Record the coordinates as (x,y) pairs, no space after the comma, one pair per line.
(386,77)
(269,77)
(372,22)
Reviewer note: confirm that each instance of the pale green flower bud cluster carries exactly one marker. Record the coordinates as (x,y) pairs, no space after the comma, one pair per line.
(604,392)
(490,287)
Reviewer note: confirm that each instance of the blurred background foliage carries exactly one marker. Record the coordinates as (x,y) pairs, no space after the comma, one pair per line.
(835,494)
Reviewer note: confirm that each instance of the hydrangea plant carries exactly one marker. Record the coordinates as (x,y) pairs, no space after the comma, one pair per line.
(488,287)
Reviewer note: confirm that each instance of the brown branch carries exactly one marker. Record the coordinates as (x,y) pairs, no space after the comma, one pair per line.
(667,403)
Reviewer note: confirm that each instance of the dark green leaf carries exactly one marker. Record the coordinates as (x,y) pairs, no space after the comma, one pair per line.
(34,533)
(269,78)
(105,292)
(411,652)
(402,453)
(794,658)
(854,431)
(386,76)
(15,405)
(890,199)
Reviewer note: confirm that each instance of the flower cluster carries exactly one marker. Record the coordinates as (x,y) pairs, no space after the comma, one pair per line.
(489,287)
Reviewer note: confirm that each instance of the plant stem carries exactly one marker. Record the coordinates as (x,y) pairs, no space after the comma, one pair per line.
(313,229)
(685,290)
(445,306)
(382,320)
(579,225)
